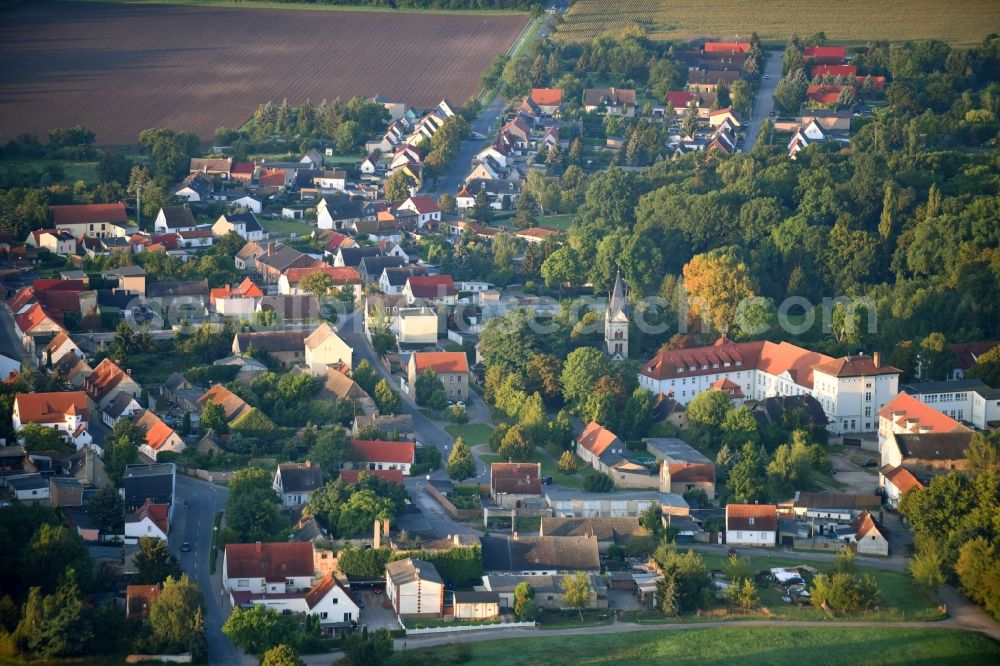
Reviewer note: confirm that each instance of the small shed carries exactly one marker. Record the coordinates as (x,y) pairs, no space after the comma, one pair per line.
(476,605)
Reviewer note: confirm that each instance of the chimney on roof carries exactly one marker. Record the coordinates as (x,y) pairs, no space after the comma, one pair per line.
(377,538)
(876,359)
(270,249)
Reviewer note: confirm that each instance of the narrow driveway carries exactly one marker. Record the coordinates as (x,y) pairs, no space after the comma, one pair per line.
(194,517)
(486,124)
(764,100)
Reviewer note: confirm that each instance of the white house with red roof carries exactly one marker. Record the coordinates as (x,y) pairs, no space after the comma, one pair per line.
(64,411)
(150,521)
(906,415)
(328,601)
(452,368)
(61,345)
(378,454)
(289,283)
(324,349)
(427,209)
(159,437)
(239,301)
(33,322)
(851,389)
(93,220)
(754,525)
(435,288)
(895,481)
(274,568)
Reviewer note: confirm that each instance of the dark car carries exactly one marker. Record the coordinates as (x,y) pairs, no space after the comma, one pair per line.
(869,463)
(185,547)
(546,480)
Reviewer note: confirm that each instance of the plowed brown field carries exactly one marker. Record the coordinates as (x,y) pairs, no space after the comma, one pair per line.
(120,68)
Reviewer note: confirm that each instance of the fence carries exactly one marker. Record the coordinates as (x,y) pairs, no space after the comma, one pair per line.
(465,627)
(453,511)
(217,476)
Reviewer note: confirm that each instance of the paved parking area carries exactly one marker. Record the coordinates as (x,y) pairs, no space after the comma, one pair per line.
(377,613)
(623,600)
(857,479)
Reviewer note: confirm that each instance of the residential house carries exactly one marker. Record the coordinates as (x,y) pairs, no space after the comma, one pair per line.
(331,179)
(967,355)
(824,55)
(753,525)
(34,325)
(618,531)
(727,115)
(159,437)
(242,172)
(154,481)
(327,600)
(251,203)
(239,301)
(536,234)
(104,384)
(396,426)
(370,164)
(548,100)
(682,467)
(426,207)
(173,219)
(56,241)
(220,167)
(286,347)
(233,406)
(73,369)
(851,389)
(392,280)
(338,211)
(295,482)
(353,255)
(274,568)
(122,407)
(825,94)
(436,288)
(829,120)
(370,268)
(27,488)
(726,47)
(549,593)
(245,225)
(813,133)
(604,451)
(335,385)
(869,539)
(93,220)
(150,521)
(248,368)
(61,345)
(325,349)
(195,188)
(246,258)
(511,484)
(139,600)
(379,454)
(894,482)
(539,556)
(278,258)
(414,588)
(708,81)
(130,278)
(291,309)
(65,412)
(289,284)
(452,368)
(615,101)
(195,238)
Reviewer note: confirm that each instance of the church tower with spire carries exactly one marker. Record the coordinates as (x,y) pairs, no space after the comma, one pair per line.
(616,323)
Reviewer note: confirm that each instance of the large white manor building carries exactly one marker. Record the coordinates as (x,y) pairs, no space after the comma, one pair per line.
(851,389)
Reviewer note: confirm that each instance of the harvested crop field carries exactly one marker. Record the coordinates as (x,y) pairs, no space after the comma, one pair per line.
(959,22)
(121,68)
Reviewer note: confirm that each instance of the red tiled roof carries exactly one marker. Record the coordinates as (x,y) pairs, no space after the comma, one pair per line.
(878,82)
(835,70)
(855,366)
(390,475)
(157,432)
(139,599)
(914,416)
(727,47)
(339,275)
(33,317)
(233,405)
(752,517)
(157,513)
(50,407)
(271,561)
(25,295)
(596,438)
(727,385)
(88,213)
(965,353)
(245,289)
(824,52)
(536,232)
(242,168)
(824,94)
(320,590)
(691,473)
(335,241)
(546,96)
(425,204)
(195,233)
(441,362)
(865,525)
(901,478)
(378,450)
(517,478)
(272,178)
(431,286)
(105,377)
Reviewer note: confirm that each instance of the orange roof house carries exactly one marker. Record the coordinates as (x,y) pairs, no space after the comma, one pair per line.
(906,414)
(835,70)
(726,385)
(547,96)
(378,451)
(339,275)
(49,408)
(102,385)
(88,214)
(828,55)
(139,599)
(245,289)
(824,94)
(232,405)
(35,320)
(274,562)
(441,362)
(159,436)
(727,47)
(431,286)
(516,478)
(595,439)
(901,478)
(158,514)
(751,518)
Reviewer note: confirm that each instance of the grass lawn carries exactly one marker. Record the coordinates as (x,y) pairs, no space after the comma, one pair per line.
(74,171)
(766,646)
(473,433)
(571,618)
(288,227)
(557,221)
